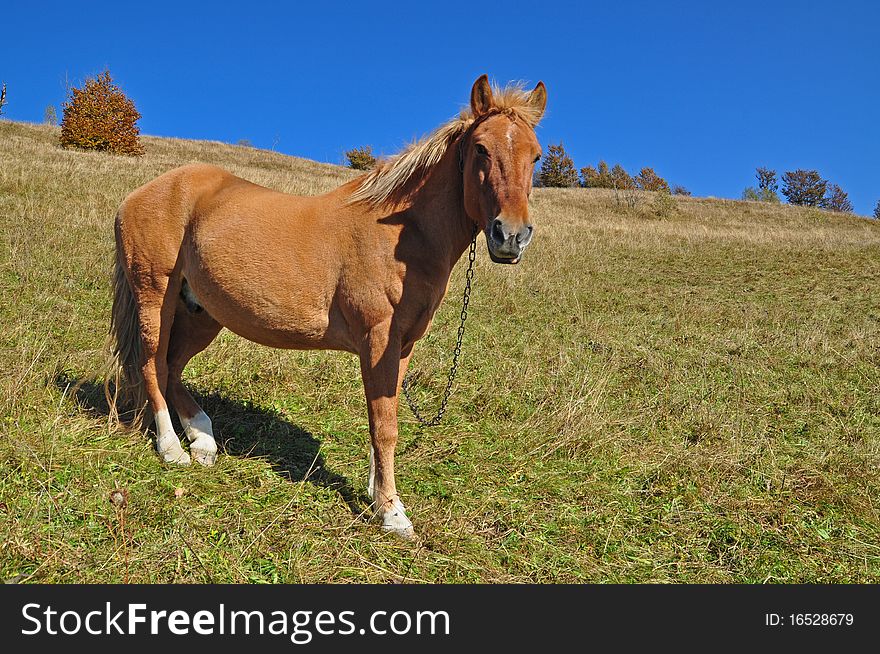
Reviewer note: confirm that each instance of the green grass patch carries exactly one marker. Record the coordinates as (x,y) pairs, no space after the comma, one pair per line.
(694,399)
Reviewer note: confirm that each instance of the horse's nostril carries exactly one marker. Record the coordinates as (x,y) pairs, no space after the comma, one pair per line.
(498,231)
(525,234)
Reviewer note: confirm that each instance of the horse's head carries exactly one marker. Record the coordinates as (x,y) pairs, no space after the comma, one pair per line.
(498,157)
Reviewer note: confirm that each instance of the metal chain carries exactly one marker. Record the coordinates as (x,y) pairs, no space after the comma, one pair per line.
(469,276)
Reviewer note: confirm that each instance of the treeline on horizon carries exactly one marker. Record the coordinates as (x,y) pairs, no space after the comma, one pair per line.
(800,187)
(99,116)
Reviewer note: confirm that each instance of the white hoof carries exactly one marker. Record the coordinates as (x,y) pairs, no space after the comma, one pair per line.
(200,434)
(171,452)
(394,520)
(204,450)
(167,443)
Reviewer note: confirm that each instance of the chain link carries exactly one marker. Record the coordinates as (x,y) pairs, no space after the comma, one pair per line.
(469,276)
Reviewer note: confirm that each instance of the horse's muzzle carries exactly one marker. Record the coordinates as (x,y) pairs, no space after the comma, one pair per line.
(507,243)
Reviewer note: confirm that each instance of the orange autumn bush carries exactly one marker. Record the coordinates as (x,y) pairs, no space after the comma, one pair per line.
(99,116)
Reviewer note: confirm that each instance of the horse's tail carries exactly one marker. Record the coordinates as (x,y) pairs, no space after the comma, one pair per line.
(123,379)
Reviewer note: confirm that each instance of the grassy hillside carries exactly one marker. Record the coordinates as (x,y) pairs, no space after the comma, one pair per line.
(694,398)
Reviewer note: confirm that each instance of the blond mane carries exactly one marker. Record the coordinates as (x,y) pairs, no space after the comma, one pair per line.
(389,179)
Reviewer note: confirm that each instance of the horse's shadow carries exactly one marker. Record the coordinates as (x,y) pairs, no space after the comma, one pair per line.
(246,430)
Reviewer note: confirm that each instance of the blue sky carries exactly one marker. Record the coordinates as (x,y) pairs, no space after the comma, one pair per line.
(702,91)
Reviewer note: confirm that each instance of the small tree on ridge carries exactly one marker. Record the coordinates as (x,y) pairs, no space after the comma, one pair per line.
(648,180)
(767,185)
(361,158)
(836,200)
(557,169)
(766,179)
(804,187)
(620,179)
(596,178)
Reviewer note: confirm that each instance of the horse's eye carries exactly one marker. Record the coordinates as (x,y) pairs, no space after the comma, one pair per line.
(537,158)
(481,149)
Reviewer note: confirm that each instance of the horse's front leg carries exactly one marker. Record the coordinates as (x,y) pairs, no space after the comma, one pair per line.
(381,363)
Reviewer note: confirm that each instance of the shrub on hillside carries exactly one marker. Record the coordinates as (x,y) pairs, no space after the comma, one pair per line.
(877,210)
(836,199)
(803,187)
(50,116)
(2,97)
(361,158)
(759,195)
(678,189)
(624,187)
(664,205)
(648,180)
(557,169)
(627,197)
(99,116)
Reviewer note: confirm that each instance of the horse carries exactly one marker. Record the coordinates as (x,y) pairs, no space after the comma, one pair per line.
(361,269)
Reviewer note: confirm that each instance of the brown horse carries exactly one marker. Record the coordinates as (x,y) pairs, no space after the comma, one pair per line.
(362,268)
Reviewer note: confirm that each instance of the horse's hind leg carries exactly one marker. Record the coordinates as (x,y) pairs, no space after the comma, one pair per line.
(192,332)
(156,313)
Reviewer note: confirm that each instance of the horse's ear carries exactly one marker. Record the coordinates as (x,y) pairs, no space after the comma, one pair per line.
(538,99)
(481,96)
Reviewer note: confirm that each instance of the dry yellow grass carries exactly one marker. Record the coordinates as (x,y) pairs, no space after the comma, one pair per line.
(688,398)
